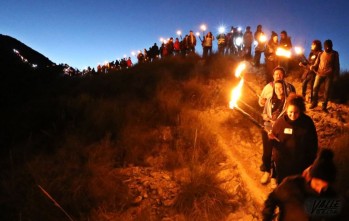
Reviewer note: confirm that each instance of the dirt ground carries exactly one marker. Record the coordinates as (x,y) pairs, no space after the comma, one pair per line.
(245,148)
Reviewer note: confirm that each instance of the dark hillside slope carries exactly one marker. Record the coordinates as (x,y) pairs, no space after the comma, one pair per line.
(8,57)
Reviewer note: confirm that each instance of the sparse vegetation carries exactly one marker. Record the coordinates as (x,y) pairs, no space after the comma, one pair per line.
(69,134)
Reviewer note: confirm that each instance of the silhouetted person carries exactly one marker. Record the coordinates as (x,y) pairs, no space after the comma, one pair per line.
(248,40)
(260,38)
(308,76)
(271,60)
(285,43)
(191,42)
(309,196)
(327,68)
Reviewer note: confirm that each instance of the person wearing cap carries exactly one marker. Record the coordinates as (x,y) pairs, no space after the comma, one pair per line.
(307,196)
(327,68)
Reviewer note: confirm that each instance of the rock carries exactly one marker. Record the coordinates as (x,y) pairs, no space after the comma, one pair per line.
(138,200)
(168,202)
(166,177)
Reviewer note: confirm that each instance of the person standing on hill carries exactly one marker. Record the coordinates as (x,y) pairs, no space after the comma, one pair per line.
(273,109)
(248,40)
(191,42)
(271,60)
(221,38)
(264,98)
(294,138)
(260,38)
(285,43)
(207,44)
(327,69)
(309,75)
(177,47)
(310,196)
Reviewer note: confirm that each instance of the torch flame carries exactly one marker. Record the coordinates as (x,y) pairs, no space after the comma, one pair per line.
(239,69)
(283,52)
(262,38)
(298,50)
(236,94)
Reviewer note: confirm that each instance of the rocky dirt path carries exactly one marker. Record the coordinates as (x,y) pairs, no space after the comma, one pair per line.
(240,151)
(241,141)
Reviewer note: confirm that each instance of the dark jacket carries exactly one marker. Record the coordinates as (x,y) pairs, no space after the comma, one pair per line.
(327,64)
(286,43)
(297,147)
(261,45)
(270,50)
(297,201)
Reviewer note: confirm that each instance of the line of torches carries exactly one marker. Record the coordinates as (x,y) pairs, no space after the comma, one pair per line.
(236,94)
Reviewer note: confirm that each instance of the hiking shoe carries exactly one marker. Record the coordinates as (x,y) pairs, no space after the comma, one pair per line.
(273,183)
(313,105)
(265,178)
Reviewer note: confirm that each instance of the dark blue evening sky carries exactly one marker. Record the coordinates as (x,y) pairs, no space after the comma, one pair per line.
(85,33)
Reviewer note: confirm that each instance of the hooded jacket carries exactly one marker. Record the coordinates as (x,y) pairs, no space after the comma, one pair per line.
(297,201)
(297,147)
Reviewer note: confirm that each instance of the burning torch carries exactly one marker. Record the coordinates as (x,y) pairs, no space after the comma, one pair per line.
(238,72)
(283,52)
(300,53)
(235,96)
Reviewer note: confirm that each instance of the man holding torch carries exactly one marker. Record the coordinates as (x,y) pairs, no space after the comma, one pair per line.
(285,43)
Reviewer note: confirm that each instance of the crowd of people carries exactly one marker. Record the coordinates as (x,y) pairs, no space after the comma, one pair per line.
(298,170)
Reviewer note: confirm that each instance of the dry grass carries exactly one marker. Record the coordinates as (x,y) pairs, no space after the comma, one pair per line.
(80,179)
(202,198)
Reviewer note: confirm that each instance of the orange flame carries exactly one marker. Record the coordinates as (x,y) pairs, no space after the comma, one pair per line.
(236,94)
(262,38)
(283,52)
(239,69)
(299,50)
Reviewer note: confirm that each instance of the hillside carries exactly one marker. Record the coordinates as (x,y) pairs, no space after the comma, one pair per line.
(154,142)
(9,60)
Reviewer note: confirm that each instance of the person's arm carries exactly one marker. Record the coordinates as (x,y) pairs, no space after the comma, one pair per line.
(263,97)
(269,207)
(315,66)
